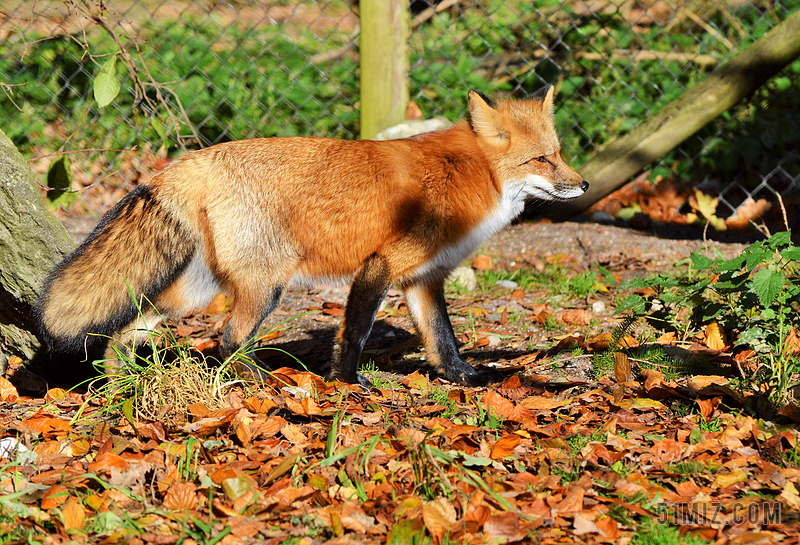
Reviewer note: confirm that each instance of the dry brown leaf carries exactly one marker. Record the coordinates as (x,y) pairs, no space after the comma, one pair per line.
(503,526)
(294,433)
(707,406)
(576,316)
(652,379)
(791,344)
(181,496)
(47,425)
(74,515)
(439,516)
(667,451)
(497,404)
(245,527)
(109,461)
(55,496)
(622,367)
(749,210)
(572,502)
(483,263)
(217,305)
(505,446)
(8,392)
(715,336)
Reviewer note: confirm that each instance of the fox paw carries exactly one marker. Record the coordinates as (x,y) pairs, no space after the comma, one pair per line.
(461,372)
(359,379)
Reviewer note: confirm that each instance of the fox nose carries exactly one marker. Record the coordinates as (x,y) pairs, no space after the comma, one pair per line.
(585,186)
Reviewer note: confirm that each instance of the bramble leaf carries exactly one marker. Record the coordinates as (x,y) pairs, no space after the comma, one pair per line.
(766,284)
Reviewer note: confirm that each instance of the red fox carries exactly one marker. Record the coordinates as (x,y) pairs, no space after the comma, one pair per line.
(250,217)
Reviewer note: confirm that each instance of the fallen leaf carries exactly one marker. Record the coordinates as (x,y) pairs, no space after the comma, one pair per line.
(47,425)
(482,263)
(497,404)
(55,496)
(504,526)
(715,336)
(576,316)
(74,515)
(622,367)
(8,392)
(217,305)
(749,211)
(439,516)
(505,446)
(181,496)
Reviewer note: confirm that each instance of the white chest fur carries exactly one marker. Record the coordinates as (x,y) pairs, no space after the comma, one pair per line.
(509,205)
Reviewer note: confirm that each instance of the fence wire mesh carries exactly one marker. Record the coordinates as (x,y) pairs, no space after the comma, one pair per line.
(194,73)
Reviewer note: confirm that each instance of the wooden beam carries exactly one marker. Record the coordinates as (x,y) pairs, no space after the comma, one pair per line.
(624,157)
(384,64)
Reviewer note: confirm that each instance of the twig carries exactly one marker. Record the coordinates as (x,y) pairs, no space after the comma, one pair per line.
(620,54)
(8,90)
(423,16)
(708,28)
(135,70)
(87,150)
(783,210)
(429,12)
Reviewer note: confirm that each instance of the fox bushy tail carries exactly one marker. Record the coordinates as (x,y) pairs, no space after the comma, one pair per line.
(139,246)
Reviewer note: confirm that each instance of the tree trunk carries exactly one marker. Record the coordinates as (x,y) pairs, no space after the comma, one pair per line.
(724,87)
(32,241)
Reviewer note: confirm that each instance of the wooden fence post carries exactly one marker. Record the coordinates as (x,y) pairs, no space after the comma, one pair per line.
(384,64)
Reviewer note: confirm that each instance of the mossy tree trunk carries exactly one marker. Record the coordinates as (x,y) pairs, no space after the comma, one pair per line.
(32,241)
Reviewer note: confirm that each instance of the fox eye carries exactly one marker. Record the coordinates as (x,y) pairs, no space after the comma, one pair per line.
(542,159)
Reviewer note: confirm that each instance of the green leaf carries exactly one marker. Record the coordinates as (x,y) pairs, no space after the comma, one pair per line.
(59,177)
(766,284)
(781,238)
(106,83)
(158,126)
(755,256)
(791,253)
(59,180)
(696,436)
(407,531)
(732,264)
(633,303)
(701,262)
(236,487)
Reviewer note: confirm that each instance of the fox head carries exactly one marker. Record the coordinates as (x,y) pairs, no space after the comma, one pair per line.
(521,143)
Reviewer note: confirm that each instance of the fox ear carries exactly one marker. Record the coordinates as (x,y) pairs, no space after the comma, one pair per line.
(545,94)
(483,117)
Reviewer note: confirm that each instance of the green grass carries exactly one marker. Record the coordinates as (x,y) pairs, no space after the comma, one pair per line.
(652,532)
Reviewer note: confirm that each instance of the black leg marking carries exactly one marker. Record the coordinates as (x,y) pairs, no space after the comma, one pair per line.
(429,313)
(232,340)
(368,290)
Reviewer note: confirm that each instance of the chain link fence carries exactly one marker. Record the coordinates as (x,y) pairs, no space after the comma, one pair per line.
(194,73)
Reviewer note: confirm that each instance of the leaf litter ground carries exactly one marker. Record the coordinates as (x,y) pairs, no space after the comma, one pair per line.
(549,454)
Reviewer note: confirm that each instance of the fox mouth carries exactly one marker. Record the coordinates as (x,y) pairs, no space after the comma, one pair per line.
(559,192)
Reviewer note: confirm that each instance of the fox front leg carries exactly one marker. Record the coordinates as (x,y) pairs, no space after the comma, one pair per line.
(429,314)
(368,290)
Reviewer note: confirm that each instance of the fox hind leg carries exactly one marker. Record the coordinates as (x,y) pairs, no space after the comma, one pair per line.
(251,305)
(368,290)
(428,310)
